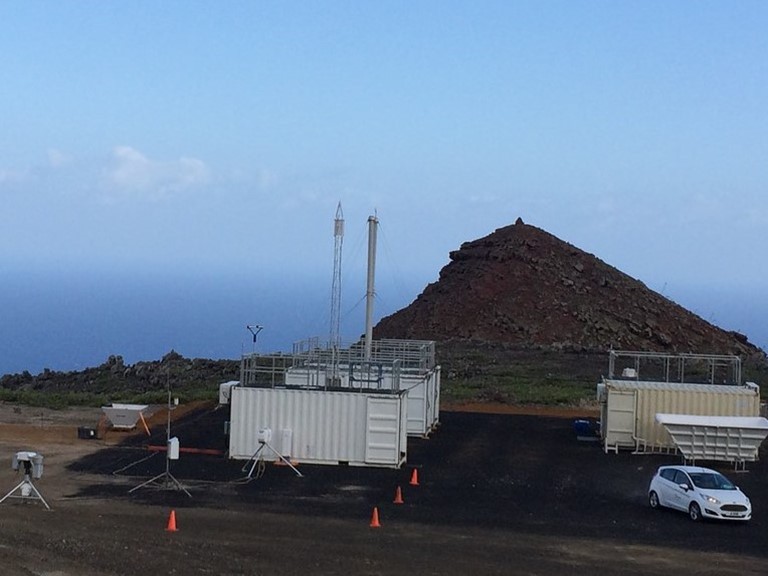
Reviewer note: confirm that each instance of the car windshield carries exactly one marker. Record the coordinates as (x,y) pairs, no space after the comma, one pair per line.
(711,481)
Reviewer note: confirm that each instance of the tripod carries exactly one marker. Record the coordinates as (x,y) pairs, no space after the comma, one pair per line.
(254,460)
(26,489)
(165,480)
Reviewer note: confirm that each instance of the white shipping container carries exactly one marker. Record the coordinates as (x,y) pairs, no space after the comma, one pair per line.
(423,390)
(423,401)
(628,409)
(355,428)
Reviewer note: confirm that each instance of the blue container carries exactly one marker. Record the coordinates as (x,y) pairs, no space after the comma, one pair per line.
(585,429)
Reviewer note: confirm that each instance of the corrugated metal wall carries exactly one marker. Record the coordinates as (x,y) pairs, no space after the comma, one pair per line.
(325,427)
(650,398)
(434,387)
(423,401)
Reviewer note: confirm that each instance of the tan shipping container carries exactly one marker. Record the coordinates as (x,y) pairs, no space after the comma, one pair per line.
(628,409)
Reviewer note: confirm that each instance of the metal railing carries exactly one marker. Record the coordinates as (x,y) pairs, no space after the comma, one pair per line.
(693,368)
(313,367)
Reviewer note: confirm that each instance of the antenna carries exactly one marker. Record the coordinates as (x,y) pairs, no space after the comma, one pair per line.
(335,336)
(254,329)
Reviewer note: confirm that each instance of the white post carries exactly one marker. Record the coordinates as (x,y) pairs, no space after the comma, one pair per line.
(370,291)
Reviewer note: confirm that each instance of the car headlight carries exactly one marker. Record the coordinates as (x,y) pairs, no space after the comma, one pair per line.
(711,499)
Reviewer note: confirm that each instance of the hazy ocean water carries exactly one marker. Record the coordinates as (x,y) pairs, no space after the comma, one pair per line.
(70,322)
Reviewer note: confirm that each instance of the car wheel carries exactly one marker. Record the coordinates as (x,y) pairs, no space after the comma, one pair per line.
(653,500)
(694,512)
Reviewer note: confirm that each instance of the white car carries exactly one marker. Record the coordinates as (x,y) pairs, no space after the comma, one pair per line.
(701,492)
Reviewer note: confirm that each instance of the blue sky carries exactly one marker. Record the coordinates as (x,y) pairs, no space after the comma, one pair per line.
(186,139)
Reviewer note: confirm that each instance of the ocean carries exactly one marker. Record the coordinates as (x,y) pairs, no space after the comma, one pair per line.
(73,321)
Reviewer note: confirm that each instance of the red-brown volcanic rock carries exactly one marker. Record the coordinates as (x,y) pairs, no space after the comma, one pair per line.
(523,286)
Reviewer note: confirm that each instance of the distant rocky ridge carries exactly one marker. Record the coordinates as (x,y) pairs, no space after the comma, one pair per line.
(115,377)
(523,286)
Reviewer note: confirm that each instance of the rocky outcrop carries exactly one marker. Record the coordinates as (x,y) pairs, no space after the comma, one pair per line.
(115,376)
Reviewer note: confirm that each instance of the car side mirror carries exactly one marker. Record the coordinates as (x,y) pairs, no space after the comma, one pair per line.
(684,486)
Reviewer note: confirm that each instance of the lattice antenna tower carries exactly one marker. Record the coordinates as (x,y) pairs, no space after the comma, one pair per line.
(335,336)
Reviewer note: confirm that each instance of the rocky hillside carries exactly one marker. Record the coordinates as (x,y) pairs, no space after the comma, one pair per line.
(114,380)
(523,286)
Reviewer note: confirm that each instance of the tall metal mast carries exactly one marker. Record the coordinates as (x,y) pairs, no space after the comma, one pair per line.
(370,291)
(338,241)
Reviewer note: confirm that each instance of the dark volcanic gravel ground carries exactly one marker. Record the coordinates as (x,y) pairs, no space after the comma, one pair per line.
(527,474)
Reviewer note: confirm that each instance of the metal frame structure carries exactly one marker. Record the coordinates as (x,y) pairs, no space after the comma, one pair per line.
(328,368)
(338,242)
(680,365)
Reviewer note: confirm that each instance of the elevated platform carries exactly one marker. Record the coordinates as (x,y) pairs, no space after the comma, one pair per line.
(734,439)
(124,416)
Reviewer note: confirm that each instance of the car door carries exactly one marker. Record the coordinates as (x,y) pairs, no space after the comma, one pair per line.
(667,487)
(680,496)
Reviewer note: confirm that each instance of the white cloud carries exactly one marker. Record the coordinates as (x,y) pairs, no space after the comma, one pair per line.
(57,158)
(483,199)
(268,179)
(757,215)
(131,174)
(11,176)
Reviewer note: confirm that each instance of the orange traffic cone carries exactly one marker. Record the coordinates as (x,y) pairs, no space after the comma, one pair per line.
(415,478)
(398,496)
(375,518)
(172,522)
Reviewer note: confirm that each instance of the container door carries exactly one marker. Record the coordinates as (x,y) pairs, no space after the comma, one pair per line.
(620,425)
(416,401)
(382,434)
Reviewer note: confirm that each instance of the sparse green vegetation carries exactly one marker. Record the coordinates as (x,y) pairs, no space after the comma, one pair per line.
(60,400)
(515,390)
(500,374)
(471,372)
(114,381)
(494,372)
